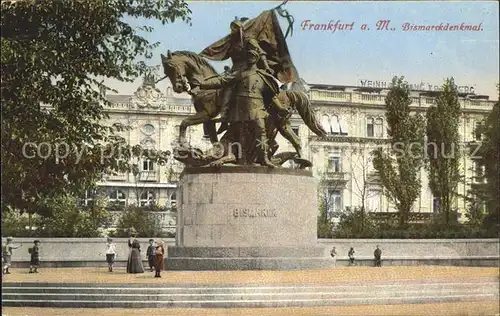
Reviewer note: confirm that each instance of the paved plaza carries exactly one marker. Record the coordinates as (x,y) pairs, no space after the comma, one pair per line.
(323,277)
(472,288)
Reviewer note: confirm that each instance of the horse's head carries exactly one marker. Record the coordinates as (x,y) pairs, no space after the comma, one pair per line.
(180,66)
(175,69)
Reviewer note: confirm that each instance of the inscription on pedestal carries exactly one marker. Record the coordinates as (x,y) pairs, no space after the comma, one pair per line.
(246,212)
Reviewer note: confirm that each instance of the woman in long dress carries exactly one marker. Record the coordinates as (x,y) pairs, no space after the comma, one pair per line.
(134,264)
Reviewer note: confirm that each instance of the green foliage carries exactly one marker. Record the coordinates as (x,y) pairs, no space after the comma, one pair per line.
(487,155)
(325,226)
(68,219)
(349,228)
(355,222)
(475,213)
(63,217)
(55,55)
(137,217)
(443,152)
(16,224)
(399,167)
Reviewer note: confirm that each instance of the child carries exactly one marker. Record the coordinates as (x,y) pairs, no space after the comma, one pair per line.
(351,255)
(333,253)
(110,254)
(159,251)
(35,256)
(150,255)
(7,255)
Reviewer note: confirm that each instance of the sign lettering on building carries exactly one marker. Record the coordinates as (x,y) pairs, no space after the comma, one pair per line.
(365,83)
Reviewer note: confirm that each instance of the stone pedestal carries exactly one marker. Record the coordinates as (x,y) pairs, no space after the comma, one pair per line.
(246,217)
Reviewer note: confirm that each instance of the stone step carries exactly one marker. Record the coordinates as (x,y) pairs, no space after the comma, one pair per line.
(104,296)
(238,303)
(258,295)
(242,290)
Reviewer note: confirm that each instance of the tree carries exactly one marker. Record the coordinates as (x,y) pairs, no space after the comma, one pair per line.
(399,167)
(138,217)
(443,153)
(55,55)
(488,156)
(66,218)
(325,204)
(362,164)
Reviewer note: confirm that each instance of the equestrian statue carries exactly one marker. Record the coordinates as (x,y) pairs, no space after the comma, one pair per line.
(247,99)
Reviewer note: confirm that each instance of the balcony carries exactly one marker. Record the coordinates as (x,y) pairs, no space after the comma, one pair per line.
(148,176)
(373,177)
(336,176)
(117,177)
(377,99)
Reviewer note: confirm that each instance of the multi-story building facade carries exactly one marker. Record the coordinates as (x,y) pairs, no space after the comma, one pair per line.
(353,117)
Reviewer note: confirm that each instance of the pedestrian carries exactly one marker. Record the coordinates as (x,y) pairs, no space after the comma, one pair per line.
(7,255)
(132,235)
(350,254)
(150,255)
(378,255)
(159,252)
(135,263)
(35,256)
(110,254)
(333,253)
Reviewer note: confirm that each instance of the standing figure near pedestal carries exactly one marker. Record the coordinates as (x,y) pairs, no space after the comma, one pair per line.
(135,263)
(150,254)
(159,253)
(247,114)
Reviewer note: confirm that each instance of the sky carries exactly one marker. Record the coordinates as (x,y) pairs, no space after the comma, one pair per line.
(346,57)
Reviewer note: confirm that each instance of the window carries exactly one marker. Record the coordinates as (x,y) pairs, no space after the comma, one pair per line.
(344,130)
(89,197)
(148,165)
(173,199)
(374,200)
(334,162)
(479,171)
(117,196)
(296,130)
(379,128)
(147,198)
(435,205)
(148,129)
(477,131)
(335,125)
(334,202)
(370,127)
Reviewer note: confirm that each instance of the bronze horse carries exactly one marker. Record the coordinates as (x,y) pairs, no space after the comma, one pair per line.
(185,67)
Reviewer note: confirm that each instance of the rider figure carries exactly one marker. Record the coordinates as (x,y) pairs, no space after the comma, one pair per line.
(252,86)
(240,45)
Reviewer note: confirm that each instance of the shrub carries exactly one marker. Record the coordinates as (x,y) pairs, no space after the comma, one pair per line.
(137,217)
(68,219)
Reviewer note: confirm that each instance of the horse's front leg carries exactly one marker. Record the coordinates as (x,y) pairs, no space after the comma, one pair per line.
(194,119)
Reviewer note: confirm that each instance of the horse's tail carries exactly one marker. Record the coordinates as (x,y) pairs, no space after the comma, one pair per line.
(301,103)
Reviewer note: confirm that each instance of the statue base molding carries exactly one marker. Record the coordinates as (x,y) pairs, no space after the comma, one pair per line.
(246,218)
